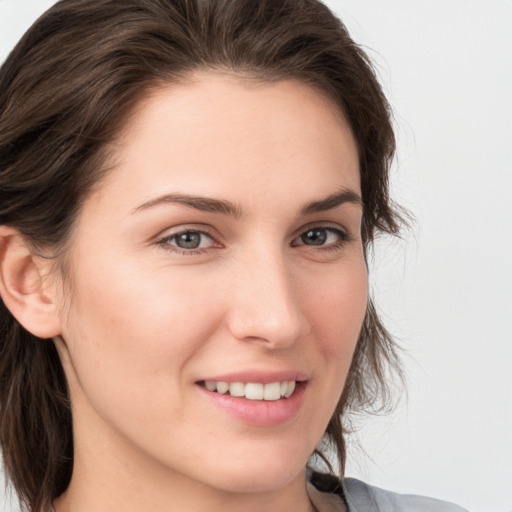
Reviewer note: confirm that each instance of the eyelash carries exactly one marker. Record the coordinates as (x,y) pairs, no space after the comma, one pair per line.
(343,238)
(165,242)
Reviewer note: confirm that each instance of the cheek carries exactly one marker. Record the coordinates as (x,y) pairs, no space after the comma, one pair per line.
(135,335)
(339,309)
(129,346)
(127,304)
(338,314)
(336,304)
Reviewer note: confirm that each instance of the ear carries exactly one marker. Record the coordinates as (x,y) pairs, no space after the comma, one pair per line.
(25,286)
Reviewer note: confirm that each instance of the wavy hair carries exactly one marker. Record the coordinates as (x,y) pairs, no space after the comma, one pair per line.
(65,92)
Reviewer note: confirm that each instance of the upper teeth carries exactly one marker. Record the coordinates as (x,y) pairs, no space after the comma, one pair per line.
(253,390)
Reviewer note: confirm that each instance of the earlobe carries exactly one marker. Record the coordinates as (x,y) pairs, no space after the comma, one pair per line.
(25,287)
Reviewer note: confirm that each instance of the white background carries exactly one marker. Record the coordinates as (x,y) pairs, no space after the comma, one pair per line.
(446,291)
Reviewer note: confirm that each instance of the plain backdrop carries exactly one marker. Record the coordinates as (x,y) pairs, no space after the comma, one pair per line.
(446,289)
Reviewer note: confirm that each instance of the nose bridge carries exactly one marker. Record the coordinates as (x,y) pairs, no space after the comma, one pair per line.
(265,306)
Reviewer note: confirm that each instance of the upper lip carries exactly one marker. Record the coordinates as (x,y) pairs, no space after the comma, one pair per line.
(263,377)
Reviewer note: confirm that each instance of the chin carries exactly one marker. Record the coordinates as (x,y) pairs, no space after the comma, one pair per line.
(260,481)
(257,474)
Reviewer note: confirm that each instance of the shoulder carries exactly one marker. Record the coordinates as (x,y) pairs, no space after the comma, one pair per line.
(361,497)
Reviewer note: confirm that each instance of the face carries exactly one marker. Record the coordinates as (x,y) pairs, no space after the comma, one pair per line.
(222,250)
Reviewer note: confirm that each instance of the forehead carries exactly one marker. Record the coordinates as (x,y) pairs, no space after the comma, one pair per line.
(220,135)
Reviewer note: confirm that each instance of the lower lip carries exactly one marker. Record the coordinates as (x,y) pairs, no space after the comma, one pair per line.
(264,413)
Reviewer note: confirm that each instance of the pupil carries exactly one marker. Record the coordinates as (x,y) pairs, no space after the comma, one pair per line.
(314,237)
(189,240)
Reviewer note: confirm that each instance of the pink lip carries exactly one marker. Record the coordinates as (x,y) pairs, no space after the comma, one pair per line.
(264,377)
(261,413)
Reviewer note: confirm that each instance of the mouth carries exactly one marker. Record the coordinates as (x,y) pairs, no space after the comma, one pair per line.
(261,399)
(271,391)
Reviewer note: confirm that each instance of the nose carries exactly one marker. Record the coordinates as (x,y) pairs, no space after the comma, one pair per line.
(265,302)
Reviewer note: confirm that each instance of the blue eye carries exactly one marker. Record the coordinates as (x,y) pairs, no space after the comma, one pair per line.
(316,236)
(322,236)
(189,240)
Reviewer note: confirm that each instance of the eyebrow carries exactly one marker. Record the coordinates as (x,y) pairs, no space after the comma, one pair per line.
(208,204)
(332,201)
(204,204)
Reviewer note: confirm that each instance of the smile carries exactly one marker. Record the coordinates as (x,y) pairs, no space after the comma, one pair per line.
(253,390)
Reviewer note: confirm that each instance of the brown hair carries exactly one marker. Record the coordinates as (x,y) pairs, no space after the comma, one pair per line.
(65,91)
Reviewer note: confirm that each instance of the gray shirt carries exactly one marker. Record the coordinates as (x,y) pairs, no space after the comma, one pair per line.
(361,497)
(329,495)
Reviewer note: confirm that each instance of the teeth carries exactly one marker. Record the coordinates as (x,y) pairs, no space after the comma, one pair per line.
(222,387)
(210,385)
(290,388)
(272,391)
(253,390)
(236,389)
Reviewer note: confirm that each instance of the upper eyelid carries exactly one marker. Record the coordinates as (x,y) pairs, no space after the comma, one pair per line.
(171,232)
(334,229)
(165,242)
(334,226)
(208,230)
(217,238)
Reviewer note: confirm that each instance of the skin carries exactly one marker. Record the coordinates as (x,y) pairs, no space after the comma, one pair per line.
(143,320)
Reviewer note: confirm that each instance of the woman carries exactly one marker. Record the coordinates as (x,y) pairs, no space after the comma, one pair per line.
(189,190)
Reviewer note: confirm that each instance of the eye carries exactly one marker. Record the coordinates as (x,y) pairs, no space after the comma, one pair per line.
(322,236)
(188,241)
